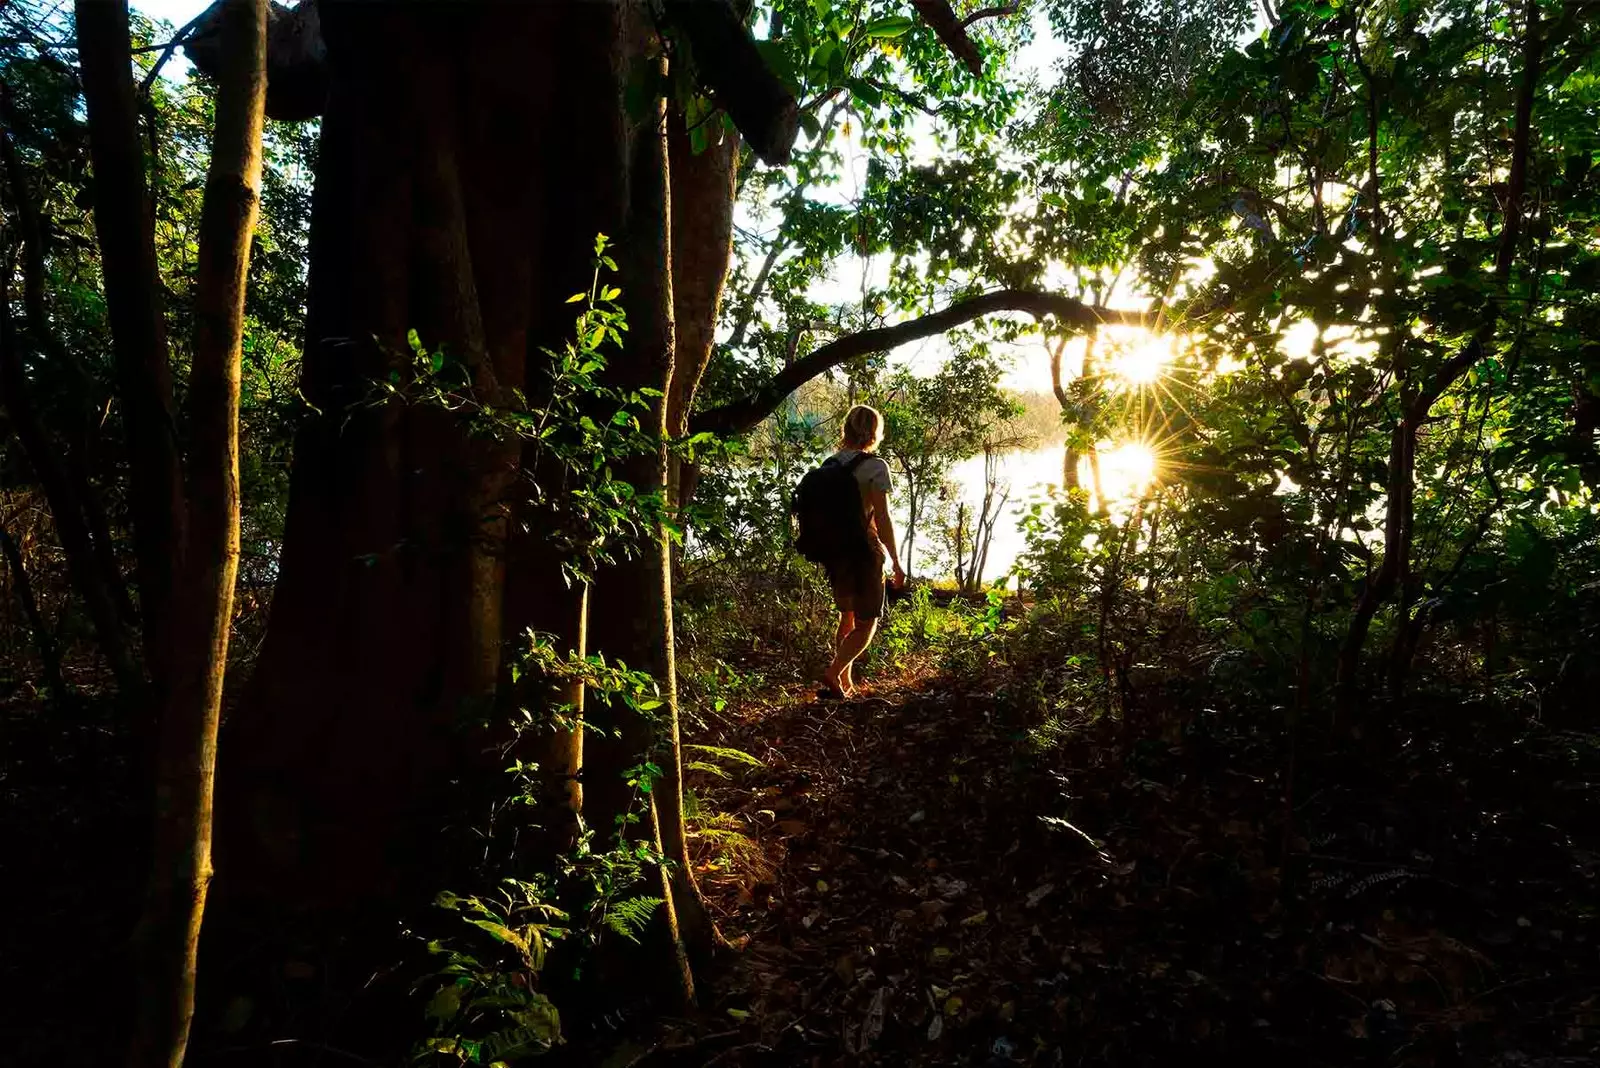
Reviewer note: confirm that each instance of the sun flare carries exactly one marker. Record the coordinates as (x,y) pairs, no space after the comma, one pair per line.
(1145,362)
(1126,471)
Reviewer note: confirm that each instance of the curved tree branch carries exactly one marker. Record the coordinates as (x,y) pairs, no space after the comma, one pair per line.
(951,31)
(999,11)
(743,414)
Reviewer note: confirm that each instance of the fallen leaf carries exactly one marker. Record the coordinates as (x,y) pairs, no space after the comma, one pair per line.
(1038,894)
(872,1023)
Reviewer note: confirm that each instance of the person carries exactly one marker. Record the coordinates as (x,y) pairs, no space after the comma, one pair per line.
(858,589)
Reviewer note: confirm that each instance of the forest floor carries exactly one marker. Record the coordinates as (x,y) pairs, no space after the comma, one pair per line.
(930,876)
(924,880)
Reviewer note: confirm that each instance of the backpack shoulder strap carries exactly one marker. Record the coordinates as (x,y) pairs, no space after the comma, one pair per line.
(860,457)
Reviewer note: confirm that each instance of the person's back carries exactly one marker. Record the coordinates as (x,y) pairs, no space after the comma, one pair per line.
(857,575)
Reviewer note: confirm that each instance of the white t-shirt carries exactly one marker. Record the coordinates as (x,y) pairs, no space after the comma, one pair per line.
(872,472)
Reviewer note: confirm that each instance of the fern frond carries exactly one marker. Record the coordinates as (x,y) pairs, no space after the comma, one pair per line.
(631,916)
(732,756)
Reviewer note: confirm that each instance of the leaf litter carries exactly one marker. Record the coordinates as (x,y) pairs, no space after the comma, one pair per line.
(940,890)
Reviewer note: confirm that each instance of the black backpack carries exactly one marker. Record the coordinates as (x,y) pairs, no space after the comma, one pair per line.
(827,504)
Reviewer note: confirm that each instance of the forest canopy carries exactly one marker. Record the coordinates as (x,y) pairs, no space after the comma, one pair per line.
(407,659)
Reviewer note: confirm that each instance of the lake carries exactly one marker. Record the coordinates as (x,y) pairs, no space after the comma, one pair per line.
(1030,474)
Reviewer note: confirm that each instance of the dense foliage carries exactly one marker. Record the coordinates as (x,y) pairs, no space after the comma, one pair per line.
(1322,549)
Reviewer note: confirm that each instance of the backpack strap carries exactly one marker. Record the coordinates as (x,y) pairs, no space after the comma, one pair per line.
(857,461)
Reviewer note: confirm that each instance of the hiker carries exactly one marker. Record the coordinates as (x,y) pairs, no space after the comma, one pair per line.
(852,546)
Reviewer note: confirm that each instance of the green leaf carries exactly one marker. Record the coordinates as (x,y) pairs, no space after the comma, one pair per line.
(865,92)
(445,1003)
(890,27)
(502,932)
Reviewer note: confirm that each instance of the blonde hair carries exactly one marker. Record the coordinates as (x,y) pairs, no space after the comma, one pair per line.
(863,428)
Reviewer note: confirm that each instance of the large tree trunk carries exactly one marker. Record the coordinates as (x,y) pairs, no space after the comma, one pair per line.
(125,228)
(168,939)
(439,206)
(442,205)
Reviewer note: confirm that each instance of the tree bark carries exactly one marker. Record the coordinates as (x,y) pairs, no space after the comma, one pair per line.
(951,31)
(124,225)
(631,612)
(702,189)
(168,940)
(728,63)
(393,559)
(1069,455)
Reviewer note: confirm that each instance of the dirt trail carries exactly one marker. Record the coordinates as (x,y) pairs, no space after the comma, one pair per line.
(928,887)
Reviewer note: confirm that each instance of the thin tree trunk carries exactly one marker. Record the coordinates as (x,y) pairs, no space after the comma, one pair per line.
(1378,587)
(66,507)
(701,192)
(49,655)
(565,755)
(1416,401)
(1069,455)
(79,433)
(913,513)
(124,225)
(960,547)
(631,611)
(168,939)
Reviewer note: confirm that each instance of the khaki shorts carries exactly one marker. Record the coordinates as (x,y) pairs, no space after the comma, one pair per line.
(858,585)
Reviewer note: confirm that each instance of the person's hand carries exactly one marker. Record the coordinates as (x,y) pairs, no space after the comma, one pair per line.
(899,577)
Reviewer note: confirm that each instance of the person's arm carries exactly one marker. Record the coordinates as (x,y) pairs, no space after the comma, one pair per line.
(878,506)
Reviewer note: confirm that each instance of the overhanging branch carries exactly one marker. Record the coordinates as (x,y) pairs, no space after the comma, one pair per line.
(950,30)
(999,11)
(743,414)
(729,65)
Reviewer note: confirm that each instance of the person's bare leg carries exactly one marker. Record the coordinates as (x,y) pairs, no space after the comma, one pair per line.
(847,623)
(854,644)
